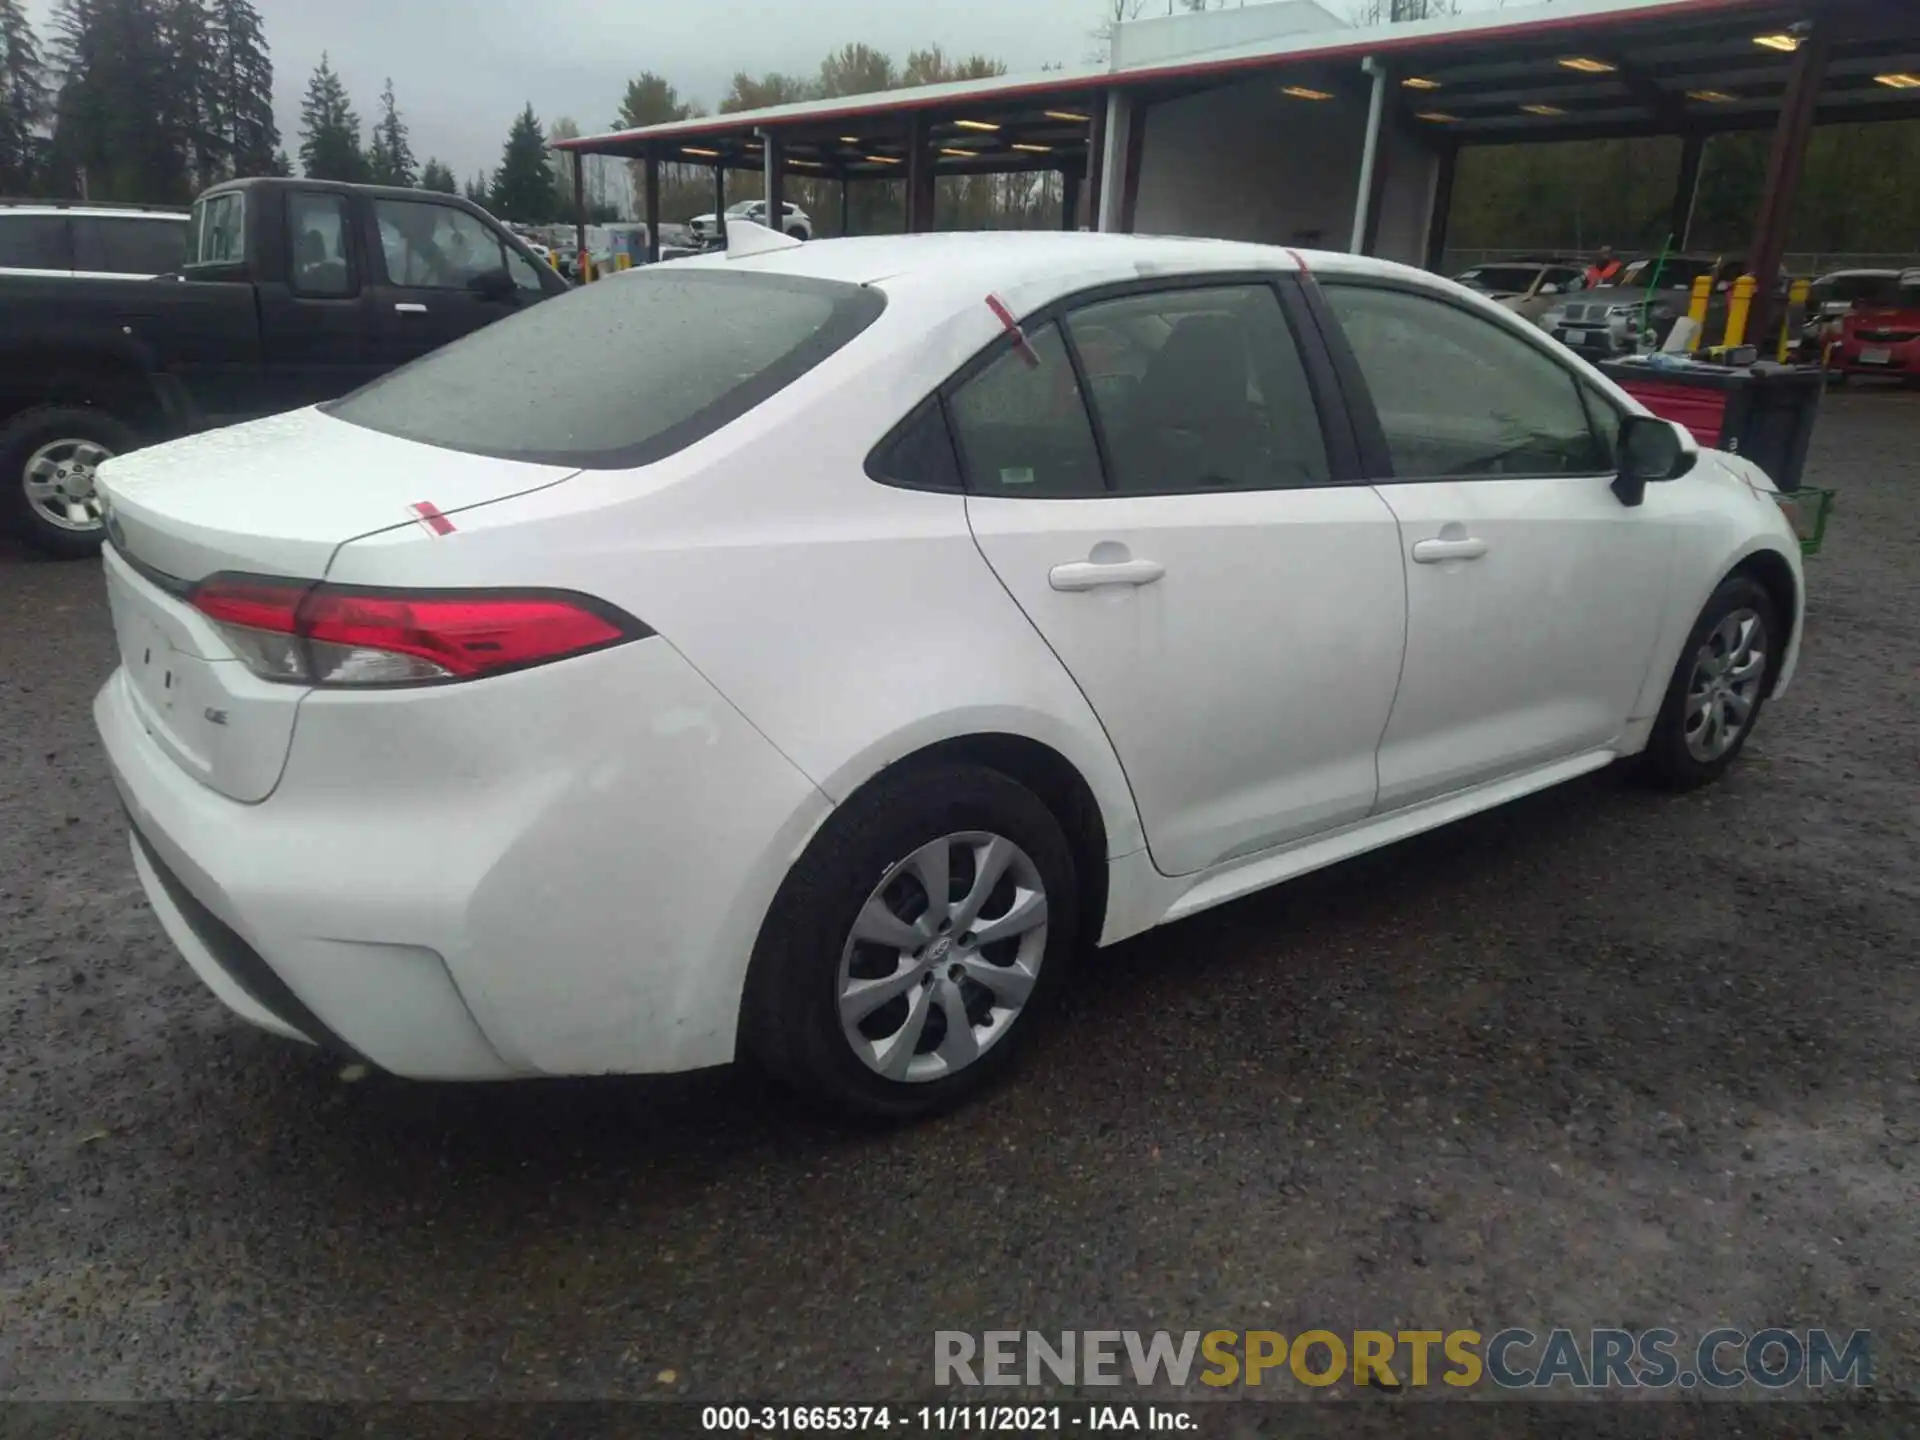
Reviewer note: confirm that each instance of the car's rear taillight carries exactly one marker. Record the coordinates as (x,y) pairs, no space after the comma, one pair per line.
(348,635)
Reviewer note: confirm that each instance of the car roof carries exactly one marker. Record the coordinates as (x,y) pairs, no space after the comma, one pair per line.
(967,266)
(104,212)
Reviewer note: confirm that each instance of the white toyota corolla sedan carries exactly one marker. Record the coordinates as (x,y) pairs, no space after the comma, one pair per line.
(853,630)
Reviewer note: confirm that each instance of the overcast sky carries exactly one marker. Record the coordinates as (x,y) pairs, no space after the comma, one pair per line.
(462,68)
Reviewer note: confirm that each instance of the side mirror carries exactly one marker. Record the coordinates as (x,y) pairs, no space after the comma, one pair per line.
(1651,450)
(492,284)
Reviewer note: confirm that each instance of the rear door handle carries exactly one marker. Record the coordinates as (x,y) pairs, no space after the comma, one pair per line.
(1092,574)
(1432,552)
(410,307)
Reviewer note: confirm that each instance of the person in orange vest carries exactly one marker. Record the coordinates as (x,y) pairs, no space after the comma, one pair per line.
(1605,268)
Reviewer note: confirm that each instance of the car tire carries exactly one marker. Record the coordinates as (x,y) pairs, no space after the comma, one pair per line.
(71,440)
(1719,686)
(820,942)
(797,232)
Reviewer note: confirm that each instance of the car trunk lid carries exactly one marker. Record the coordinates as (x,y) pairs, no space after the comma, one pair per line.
(274,498)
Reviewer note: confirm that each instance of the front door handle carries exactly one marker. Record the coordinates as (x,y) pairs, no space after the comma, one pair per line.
(1092,574)
(1432,552)
(410,307)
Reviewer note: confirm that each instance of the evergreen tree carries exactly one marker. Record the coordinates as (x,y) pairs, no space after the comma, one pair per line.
(477,190)
(436,176)
(390,158)
(523,186)
(330,130)
(243,90)
(118,132)
(23,100)
(191,100)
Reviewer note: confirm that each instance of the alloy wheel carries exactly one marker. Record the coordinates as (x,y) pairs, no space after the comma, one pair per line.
(1724,687)
(943,956)
(59,480)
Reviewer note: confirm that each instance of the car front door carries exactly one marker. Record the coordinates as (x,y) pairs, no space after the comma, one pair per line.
(1533,594)
(1150,477)
(314,343)
(432,259)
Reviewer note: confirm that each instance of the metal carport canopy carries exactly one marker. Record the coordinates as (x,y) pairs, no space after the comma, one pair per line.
(1649,67)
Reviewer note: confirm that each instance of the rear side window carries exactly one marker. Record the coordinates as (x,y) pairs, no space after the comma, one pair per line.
(34,242)
(618,374)
(1022,424)
(217,232)
(919,454)
(114,246)
(1200,389)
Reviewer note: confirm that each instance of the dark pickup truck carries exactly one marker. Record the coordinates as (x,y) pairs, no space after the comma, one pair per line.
(293,292)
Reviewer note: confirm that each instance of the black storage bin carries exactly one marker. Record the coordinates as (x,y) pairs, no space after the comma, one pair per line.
(1764,413)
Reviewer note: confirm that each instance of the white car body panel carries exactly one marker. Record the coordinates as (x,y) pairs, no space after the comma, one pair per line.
(563,870)
(1273,645)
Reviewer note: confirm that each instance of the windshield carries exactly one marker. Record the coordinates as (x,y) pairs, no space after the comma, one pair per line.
(644,365)
(1860,290)
(743,207)
(1500,278)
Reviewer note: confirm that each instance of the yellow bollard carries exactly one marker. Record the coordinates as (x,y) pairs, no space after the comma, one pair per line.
(623,261)
(1796,305)
(1738,304)
(1697,305)
(586,268)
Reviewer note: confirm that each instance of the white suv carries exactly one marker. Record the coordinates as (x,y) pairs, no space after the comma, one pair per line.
(795,221)
(99,242)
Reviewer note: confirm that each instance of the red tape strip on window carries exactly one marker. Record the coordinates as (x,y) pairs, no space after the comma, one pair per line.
(1020,345)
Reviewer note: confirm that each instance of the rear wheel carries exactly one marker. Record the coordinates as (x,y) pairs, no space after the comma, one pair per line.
(1718,687)
(913,943)
(49,459)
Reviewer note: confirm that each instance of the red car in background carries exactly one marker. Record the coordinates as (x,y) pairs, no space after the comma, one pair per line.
(1884,338)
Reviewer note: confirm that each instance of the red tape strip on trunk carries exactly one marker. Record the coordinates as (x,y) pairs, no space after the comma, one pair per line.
(428,514)
(1020,345)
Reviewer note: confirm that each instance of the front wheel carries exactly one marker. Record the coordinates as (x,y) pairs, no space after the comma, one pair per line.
(49,457)
(913,942)
(1718,686)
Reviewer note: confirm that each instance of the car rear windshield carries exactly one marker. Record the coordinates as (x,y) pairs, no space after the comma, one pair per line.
(620,373)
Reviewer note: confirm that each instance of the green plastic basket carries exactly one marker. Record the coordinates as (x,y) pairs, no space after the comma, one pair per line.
(1808,508)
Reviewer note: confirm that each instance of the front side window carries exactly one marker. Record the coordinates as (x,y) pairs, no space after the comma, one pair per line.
(435,247)
(1459,395)
(648,364)
(218,230)
(317,225)
(1022,424)
(1200,389)
(124,245)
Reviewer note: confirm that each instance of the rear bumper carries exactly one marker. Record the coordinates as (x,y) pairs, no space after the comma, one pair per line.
(555,872)
(1903,358)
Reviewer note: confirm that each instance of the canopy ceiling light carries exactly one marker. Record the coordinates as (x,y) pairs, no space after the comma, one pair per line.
(1420,82)
(1899,80)
(1543,109)
(1586,65)
(1067,115)
(1301,92)
(976,125)
(1779,40)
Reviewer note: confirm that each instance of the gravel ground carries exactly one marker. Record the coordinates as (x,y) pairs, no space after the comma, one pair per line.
(1604,1057)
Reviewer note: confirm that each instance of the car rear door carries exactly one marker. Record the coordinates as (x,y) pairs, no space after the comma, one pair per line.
(428,257)
(1152,475)
(1533,594)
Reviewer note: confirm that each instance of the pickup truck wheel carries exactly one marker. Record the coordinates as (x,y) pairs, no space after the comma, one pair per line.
(48,458)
